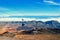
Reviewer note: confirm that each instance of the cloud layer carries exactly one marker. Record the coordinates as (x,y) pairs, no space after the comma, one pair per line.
(8,14)
(51,2)
(29,19)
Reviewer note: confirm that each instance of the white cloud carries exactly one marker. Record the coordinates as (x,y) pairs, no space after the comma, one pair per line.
(5,12)
(29,19)
(20,14)
(16,19)
(17,13)
(56,19)
(3,9)
(51,2)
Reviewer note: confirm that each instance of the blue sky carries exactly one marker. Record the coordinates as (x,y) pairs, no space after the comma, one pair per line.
(30,8)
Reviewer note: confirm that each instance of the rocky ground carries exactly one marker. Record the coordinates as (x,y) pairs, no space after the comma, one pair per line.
(37,37)
(33,37)
(5,38)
